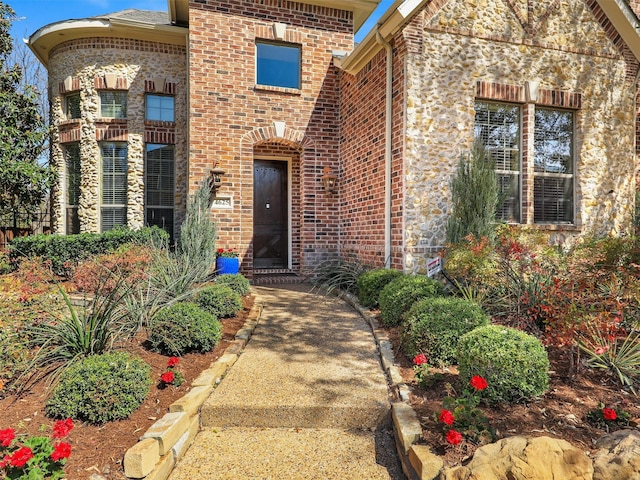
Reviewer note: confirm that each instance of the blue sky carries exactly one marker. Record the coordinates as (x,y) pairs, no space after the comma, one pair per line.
(33,14)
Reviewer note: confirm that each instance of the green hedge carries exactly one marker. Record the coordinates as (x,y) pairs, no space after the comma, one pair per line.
(514,363)
(370,284)
(398,296)
(184,327)
(236,281)
(66,251)
(100,388)
(434,326)
(219,300)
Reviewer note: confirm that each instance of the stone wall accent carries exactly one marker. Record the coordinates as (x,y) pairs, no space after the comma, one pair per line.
(133,64)
(230,114)
(459,51)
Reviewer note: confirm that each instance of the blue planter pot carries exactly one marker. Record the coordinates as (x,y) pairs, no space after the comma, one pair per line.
(227,265)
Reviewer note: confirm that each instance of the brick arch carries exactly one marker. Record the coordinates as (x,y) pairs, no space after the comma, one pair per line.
(308,165)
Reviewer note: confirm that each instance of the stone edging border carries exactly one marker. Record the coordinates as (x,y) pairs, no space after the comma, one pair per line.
(167,440)
(418,462)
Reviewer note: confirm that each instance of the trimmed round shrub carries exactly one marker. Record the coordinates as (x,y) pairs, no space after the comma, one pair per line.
(434,326)
(514,363)
(236,281)
(399,295)
(371,282)
(184,327)
(219,300)
(100,388)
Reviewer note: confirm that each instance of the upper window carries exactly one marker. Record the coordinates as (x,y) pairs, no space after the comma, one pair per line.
(114,185)
(72,105)
(278,64)
(553,166)
(160,107)
(113,104)
(497,126)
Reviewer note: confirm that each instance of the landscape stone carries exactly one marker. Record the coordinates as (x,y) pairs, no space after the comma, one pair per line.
(618,457)
(522,458)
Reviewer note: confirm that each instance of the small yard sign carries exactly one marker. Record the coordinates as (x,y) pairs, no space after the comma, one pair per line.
(434,266)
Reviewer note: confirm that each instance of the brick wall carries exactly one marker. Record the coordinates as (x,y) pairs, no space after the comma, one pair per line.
(230,116)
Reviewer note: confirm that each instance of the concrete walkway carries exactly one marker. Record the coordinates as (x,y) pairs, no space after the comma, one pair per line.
(307,399)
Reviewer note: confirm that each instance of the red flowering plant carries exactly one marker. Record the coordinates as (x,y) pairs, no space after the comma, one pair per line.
(226,253)
(608,418)
(171,376)
(35,458)
(421,370)
(461,417)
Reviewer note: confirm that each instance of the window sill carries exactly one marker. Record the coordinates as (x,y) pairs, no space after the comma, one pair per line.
(159,123)
(115,121)
(556,227)
(69,122)
(271,88)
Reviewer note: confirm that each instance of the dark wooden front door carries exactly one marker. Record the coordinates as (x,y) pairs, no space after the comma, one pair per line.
(270,214)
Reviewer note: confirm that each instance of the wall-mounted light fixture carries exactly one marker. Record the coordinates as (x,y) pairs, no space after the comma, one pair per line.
(216,178)
(329,180)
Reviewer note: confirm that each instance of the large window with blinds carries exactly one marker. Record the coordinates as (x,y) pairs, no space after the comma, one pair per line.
(113,211)
(72,187)
(160,186)
(553,166)
(497,126)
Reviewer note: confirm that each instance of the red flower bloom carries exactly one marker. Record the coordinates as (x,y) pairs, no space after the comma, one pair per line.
(173,361)
(609,414)
(454,437)
(446,417)
(20,457)
(62,428)
(167,377)
(60,451)
(478,382)
(6,436)
(420,359)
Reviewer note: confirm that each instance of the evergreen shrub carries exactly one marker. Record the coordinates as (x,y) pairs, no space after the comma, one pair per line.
(236,281)
(371,282)
(219,300)
(434,326)
(184,327)
(514,363)
(397,297)
(100,388)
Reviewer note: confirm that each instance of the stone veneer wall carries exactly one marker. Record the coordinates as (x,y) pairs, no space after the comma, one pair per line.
(136,65)
(230,115)
(490,43)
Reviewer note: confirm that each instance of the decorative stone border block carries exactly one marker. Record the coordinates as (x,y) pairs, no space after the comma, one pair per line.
(418,462)
(167,440)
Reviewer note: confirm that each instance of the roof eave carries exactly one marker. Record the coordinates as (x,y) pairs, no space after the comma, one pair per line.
(398,14)
(48,37)
(625,22)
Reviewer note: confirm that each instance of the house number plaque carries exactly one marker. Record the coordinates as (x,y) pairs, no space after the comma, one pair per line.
(222,203)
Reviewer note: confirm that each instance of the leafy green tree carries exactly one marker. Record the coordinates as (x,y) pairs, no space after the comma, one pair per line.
(24,182)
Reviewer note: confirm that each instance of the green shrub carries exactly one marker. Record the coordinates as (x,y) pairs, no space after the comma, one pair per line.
(371,282)
(339,274)
(219,300)
(434,326)
(397,297)
(100,388)
(66,251)
(514,363)
(236,281)
(184,327)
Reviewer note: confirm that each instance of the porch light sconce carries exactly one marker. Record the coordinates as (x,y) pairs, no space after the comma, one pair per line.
(329,181)
(216,178)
